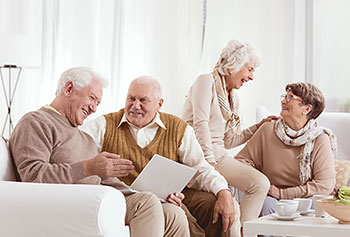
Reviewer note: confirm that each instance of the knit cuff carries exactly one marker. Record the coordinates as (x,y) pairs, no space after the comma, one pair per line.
(77,172)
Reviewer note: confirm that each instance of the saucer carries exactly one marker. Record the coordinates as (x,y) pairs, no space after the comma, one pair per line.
(304,213)
(285,218)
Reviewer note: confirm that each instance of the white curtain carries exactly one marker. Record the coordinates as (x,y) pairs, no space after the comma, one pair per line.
(97,34)
(123,39)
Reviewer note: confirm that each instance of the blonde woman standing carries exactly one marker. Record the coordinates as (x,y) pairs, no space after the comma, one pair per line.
(211,109)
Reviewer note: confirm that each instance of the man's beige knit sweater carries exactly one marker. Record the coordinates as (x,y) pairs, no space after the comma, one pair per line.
(46,148)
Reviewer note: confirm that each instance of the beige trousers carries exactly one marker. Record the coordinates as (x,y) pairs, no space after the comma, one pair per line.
(252,182)
(146,216)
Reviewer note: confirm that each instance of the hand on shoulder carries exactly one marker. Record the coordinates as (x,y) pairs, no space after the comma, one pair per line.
(267,119)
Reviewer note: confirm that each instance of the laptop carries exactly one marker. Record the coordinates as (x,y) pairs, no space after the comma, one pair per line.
(163,176)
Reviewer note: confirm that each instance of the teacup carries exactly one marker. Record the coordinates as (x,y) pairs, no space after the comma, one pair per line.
(295,202)
(285,208)
(304,204)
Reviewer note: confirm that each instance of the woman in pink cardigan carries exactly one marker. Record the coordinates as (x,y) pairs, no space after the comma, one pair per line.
(211,109)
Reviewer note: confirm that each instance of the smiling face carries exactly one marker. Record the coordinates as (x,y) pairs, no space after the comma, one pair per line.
(142,103)
(81,103)
(245,74)
(293,111)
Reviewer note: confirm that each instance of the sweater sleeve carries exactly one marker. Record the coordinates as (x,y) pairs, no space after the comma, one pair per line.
(251,154)
(322,171)
(201,114)
(31,145)
(232,139)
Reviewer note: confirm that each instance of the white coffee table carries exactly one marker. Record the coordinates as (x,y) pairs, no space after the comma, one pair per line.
(301,226)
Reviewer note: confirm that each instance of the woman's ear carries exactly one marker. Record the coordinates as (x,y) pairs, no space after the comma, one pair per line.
(307,109)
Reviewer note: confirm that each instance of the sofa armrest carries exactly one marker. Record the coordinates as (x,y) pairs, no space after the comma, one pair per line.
(32,209)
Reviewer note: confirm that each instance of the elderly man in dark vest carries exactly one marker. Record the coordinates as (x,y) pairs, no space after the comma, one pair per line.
(139,131)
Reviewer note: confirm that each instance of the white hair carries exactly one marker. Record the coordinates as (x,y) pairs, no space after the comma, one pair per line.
(235,55)
(80,77)
(149,80)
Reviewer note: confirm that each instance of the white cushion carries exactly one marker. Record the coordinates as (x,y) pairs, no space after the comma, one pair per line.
(56,210)
(339,123)
(6,164)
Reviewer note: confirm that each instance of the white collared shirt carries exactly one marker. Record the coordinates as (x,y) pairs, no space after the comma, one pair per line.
(143,136)
(190,153)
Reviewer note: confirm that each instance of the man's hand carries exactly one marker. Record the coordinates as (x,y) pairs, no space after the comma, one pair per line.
(224,207)
(176,198)
(274,192)
(107,165)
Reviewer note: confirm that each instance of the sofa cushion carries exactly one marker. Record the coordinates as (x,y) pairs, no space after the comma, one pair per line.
(7,172)
(342,168)
(339,123)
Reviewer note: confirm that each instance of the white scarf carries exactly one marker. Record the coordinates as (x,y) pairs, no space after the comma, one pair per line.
(305,136)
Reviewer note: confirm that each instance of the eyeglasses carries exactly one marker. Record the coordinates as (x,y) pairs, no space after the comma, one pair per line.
(289,97)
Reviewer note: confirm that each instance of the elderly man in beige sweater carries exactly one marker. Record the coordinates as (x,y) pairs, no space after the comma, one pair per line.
(47,147)
(139,131)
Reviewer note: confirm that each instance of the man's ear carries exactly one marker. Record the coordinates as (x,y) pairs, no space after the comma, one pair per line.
(68,88)
(160,104)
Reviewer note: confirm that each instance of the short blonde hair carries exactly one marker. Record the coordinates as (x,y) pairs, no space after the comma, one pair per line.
(235,55)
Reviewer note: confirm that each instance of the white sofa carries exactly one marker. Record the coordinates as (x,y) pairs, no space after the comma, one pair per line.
(31,209)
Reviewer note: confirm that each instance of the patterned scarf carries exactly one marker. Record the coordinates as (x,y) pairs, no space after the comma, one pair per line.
(305,136)
(228,111)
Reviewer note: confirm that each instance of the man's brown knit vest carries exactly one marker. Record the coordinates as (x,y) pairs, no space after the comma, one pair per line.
(119,140)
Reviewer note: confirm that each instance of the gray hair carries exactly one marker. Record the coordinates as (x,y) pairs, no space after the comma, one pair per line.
(150,80)
(80,77)
(235,55)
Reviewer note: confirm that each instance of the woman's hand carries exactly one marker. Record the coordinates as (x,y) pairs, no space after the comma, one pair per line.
(267,119)
(176,198)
